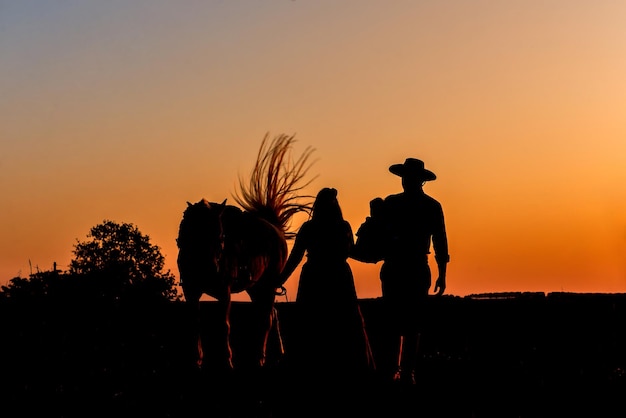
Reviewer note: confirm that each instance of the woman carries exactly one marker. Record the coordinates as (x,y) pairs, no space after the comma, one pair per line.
(331,331)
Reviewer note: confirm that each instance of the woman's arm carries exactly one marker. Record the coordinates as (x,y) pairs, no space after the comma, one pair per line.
(296,255)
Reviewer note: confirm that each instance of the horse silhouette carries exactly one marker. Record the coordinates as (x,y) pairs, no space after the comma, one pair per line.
(224,249)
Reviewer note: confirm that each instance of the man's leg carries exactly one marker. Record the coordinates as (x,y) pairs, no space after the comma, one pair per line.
(407,358)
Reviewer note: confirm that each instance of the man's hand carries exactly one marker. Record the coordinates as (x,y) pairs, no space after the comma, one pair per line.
(440,285)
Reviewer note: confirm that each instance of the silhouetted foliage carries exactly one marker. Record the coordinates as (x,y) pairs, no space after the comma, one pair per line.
(123,263)
(117,263)
(24,288)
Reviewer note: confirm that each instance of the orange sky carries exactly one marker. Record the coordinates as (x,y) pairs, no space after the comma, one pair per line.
(126,110)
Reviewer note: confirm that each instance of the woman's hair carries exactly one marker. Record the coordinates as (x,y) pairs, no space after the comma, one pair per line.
(326,206)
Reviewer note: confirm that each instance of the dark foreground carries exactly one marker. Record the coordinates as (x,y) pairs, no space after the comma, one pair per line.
(529,355)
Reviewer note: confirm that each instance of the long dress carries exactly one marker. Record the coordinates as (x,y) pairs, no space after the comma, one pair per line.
(331,333)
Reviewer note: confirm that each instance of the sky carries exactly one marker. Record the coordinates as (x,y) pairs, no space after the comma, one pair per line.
(126,110)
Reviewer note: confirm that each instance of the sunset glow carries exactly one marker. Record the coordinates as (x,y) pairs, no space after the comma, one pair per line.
(127,110)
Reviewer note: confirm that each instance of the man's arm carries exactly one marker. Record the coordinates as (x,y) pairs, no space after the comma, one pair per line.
(440,246)
(442,265)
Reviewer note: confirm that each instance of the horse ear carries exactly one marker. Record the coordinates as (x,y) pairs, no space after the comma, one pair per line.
(189,204)
(221,207)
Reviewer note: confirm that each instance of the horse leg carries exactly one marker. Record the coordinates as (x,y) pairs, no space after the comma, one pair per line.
(224,303)
(192,304)
(274,338)
(267,323)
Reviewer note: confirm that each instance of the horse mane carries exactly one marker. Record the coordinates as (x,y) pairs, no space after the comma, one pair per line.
(271,192)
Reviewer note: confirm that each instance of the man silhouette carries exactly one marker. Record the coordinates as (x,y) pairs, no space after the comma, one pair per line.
(413,221)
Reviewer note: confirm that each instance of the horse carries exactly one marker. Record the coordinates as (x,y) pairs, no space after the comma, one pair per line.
(224,249)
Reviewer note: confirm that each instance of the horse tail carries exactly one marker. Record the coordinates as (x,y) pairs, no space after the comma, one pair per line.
(272,191)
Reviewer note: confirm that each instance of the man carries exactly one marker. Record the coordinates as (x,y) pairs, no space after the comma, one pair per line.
(413,222)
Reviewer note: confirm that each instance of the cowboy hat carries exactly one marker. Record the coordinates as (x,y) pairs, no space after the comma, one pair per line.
(412,167)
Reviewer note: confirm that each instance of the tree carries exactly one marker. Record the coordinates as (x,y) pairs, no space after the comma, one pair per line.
(124,262)
(19,288)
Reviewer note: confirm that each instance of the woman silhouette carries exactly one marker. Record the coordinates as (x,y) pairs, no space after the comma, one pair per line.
(331,331)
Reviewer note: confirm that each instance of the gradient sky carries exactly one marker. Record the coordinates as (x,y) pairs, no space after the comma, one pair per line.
(125,110)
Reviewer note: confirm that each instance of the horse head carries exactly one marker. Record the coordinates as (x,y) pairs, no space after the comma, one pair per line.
(201,234)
